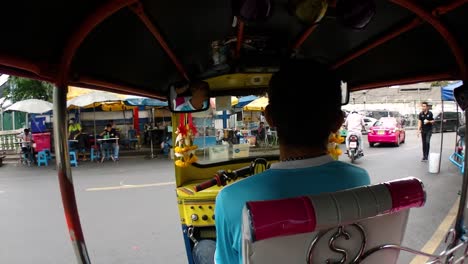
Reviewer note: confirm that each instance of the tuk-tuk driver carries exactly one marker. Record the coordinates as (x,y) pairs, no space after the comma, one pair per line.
(305,166)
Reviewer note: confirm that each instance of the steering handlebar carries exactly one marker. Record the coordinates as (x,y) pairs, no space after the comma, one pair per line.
(222,177)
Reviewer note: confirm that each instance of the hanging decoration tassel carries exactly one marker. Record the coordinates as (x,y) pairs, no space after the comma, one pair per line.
(334,141)
(185,150)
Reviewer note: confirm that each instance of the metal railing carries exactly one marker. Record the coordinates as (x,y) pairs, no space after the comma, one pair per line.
(9,140)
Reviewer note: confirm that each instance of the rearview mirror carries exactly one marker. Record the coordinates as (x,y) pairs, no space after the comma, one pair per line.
(190,97)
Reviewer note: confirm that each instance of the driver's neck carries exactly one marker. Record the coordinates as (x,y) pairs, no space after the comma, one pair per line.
(288,152)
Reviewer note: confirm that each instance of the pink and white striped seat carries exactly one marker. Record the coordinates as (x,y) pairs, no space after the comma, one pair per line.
(360,225)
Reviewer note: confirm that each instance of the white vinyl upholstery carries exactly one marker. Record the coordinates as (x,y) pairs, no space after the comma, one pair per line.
(283,231)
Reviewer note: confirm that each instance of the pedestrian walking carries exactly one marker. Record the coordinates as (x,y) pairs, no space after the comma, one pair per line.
(425,122)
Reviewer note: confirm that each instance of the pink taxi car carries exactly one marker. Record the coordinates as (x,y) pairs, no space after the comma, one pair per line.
(386,130)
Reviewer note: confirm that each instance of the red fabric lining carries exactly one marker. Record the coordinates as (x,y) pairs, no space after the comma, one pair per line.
(406,193)
(283,217)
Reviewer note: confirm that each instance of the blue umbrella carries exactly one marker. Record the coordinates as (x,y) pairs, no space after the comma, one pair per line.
(144,101)
(245,100)
(447,91)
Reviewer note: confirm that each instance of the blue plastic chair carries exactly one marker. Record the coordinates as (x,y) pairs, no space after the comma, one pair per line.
(48,154)
(73,159)
(95,153)
(42,158)
(132,138)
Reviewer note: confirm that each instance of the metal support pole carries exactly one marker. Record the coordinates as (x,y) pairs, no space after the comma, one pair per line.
(1,118)
(459,222)
(94,127)
(151,156)
(65,175)
(458,122)
(441,135)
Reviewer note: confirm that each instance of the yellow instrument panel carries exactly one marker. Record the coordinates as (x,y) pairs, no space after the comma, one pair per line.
(197,208)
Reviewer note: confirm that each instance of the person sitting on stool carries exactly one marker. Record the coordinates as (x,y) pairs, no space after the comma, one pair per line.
(110,132)
(75,133)
(261,133)
(26,145)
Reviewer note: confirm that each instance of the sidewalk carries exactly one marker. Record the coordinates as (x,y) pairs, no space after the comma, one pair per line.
(12,157)
(143,151)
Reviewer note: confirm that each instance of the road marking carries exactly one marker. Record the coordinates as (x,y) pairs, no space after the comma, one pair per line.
(127,186)
(439,235)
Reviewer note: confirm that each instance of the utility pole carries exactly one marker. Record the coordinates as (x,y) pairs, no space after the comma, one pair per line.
(419,95)
(365,100)
(415,108)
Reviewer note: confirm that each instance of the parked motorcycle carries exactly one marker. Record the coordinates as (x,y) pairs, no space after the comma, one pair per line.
(353,151)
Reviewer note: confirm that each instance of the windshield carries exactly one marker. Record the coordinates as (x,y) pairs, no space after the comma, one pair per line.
(229,135)
(386,122)
(377,114)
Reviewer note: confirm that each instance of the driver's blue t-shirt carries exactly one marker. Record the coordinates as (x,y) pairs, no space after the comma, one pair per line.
(282,180)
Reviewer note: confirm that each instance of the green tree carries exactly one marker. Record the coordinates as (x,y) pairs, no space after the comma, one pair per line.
(18,89)
(439,83)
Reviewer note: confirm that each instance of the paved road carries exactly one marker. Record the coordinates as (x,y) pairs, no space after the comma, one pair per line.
(129,212)
(387,162)
(133,225)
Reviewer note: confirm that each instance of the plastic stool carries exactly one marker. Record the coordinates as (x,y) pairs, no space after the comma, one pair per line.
(47,152)
(95,154)
(73,160)
(42,158)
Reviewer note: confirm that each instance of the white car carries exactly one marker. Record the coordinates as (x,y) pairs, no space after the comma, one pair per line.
(369,122)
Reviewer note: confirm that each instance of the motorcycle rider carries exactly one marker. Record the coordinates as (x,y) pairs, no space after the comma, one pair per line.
(354,124)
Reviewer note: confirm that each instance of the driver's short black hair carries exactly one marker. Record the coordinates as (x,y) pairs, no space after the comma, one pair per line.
(305,101)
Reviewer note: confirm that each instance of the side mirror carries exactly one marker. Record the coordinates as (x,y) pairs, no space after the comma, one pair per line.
(344,93)
(190,97)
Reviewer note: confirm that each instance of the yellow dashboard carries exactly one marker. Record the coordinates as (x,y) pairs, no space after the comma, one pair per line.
(197,208)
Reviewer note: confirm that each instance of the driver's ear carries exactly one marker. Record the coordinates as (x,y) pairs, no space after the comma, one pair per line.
(268,116)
